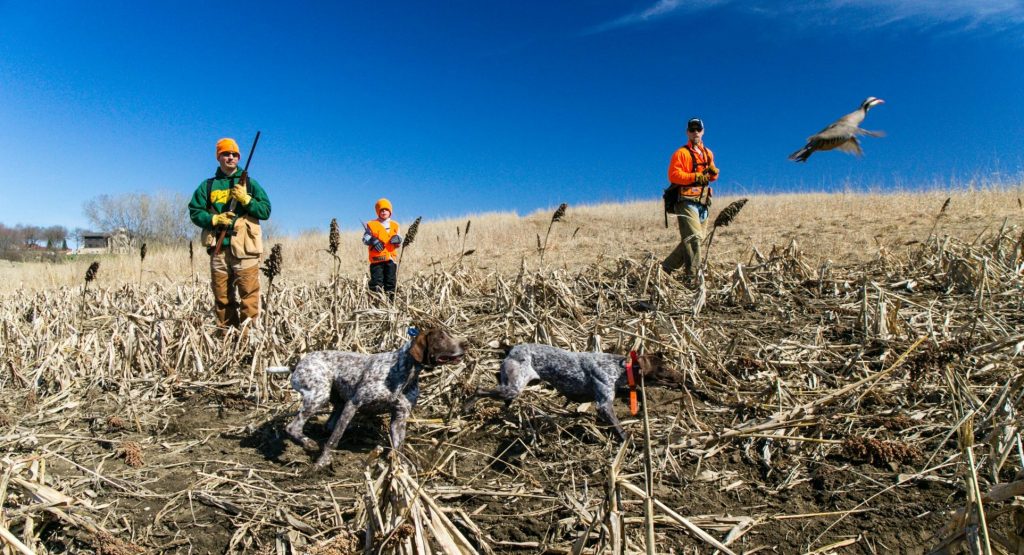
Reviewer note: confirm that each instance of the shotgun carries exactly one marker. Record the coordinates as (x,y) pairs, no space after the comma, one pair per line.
(243,180)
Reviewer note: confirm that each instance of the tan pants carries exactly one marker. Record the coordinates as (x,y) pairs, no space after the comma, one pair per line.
(228,273)
(691,232)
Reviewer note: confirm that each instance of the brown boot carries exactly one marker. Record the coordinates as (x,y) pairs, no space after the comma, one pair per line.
(224,304)
(248,282)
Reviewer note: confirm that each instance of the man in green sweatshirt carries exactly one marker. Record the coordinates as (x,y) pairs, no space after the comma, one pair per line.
(237,263)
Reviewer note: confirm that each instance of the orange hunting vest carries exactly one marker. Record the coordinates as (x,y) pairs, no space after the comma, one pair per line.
(687,161)
(384,235)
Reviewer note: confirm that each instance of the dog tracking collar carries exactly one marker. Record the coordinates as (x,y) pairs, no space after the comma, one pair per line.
(412,331)
(631,380)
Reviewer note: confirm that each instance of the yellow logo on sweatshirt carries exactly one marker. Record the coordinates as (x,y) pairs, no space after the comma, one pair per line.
(220,196)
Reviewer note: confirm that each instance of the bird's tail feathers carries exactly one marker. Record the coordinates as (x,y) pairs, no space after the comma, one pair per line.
(801,155)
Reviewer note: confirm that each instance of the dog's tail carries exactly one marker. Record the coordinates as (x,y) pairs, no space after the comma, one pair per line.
(278,370)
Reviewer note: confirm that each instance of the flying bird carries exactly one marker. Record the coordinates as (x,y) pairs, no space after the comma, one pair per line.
(842,134)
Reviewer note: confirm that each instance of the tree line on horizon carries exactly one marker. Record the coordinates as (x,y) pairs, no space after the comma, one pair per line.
(154,218)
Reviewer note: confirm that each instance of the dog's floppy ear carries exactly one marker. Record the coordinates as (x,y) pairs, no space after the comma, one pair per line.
(655,366)
(419,349)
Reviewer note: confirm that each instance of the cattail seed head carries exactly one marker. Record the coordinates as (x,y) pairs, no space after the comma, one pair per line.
(945,205)
(726,216)
(539,247)
(559,213)
(411,234)
(334,237)
(467,226)
(273,267)
(142,253)
(191,255)
(90,274)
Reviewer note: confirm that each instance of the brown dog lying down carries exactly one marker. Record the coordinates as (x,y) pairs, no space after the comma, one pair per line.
(372,383)
(580,377)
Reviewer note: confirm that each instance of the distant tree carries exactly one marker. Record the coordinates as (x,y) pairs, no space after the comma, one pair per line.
(77,234)
(9,238)
(64,244)
(54,235)
(30,235)
(160,217)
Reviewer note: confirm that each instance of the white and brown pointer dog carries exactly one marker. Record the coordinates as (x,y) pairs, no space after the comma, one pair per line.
(370,383)
(580,377)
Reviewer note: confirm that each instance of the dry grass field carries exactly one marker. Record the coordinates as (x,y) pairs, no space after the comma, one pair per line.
(852,370)
(844,228)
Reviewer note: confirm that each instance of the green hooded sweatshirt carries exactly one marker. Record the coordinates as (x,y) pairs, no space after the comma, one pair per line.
(215,194)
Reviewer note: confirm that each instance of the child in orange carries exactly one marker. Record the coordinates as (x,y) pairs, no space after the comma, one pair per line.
(382,240)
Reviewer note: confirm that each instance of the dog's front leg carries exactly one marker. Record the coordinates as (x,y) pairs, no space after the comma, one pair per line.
(399,415)
(607,410)
(332,442)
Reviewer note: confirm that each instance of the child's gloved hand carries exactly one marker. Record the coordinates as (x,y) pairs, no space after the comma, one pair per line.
(377,245)
(396,240)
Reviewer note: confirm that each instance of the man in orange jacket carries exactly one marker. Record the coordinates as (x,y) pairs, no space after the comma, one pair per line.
(382,241)
(690,172)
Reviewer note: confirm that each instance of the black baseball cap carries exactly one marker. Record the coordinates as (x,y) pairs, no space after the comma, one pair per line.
(695,124)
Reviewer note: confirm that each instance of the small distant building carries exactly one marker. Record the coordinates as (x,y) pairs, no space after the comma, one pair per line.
(113,242)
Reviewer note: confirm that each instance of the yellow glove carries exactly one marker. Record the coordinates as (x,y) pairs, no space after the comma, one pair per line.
(701,179)
(238,193)
(223,219)
(713,171)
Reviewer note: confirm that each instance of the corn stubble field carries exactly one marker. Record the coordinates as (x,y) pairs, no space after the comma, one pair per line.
(852,384)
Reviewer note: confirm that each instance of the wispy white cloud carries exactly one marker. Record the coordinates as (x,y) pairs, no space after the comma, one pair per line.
(993,15)
(660,9)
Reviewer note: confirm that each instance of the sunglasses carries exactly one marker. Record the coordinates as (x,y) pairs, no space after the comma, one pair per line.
(230,154)
(694,129)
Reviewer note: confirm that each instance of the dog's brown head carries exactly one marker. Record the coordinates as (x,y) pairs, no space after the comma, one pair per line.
(655,368)
(436,346)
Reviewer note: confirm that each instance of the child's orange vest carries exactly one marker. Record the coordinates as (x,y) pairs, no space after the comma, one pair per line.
(384,235)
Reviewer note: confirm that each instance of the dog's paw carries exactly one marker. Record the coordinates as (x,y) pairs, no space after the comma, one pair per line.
(322,465)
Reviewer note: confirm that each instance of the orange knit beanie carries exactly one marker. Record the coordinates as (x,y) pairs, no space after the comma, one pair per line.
(227,145)
(383,204)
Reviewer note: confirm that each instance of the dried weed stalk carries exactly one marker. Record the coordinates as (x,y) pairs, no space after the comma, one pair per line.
(556,217)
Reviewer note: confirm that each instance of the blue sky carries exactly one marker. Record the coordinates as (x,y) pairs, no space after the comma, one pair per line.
(456,107)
